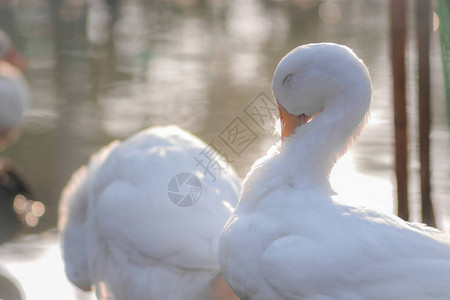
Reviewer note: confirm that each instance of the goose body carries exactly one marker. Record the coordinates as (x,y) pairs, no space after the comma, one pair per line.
(14,94)
(290,236)
(122,233)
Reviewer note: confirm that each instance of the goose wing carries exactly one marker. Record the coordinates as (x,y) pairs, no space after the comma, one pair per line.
(374,257)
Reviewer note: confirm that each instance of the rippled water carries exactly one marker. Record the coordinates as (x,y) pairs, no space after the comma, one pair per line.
(100,72)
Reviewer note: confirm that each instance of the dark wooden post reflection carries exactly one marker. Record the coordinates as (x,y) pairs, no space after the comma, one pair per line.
(398,44)
(423,19)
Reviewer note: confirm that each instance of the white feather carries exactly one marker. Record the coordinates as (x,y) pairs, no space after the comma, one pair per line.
(135,241)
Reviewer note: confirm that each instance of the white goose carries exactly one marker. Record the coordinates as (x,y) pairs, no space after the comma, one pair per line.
(290,237)
(122,233)
(14,94)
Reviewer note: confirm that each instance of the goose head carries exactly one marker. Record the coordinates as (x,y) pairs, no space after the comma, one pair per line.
(315,77)
(9,54)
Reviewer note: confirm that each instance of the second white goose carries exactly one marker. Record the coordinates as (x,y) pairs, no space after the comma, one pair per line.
(127,229)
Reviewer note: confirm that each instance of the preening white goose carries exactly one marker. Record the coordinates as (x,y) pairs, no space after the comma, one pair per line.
(122,233)
(290,236)
(14,94)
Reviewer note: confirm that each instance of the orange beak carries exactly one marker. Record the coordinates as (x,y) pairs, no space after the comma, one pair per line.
(220,290)
(16,59)
(290,122)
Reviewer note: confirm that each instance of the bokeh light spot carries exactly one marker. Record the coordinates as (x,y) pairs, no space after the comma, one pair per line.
(31,219)
(330,12)
(20,204)
(38,209)
(435,21)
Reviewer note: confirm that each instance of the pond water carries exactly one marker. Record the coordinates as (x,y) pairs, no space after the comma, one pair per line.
(104,69)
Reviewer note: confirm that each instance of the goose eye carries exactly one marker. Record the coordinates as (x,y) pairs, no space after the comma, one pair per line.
(287,79)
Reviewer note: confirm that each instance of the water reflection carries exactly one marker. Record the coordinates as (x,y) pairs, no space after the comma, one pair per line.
(17,209)
(10,288)
(35,261)
(104,69)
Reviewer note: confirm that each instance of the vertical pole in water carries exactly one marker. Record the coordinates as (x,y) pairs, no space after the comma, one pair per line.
(398,45)
(423,11)
(443,10)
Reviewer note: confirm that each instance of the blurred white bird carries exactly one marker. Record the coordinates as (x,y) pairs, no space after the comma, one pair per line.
(141,221)
(290,236)
(14,93)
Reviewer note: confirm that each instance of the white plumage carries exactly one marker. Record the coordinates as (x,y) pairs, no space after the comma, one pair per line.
(14,94)
(291,237)
(121,231)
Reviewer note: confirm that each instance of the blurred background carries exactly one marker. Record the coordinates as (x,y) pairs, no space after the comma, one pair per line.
(101,70)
